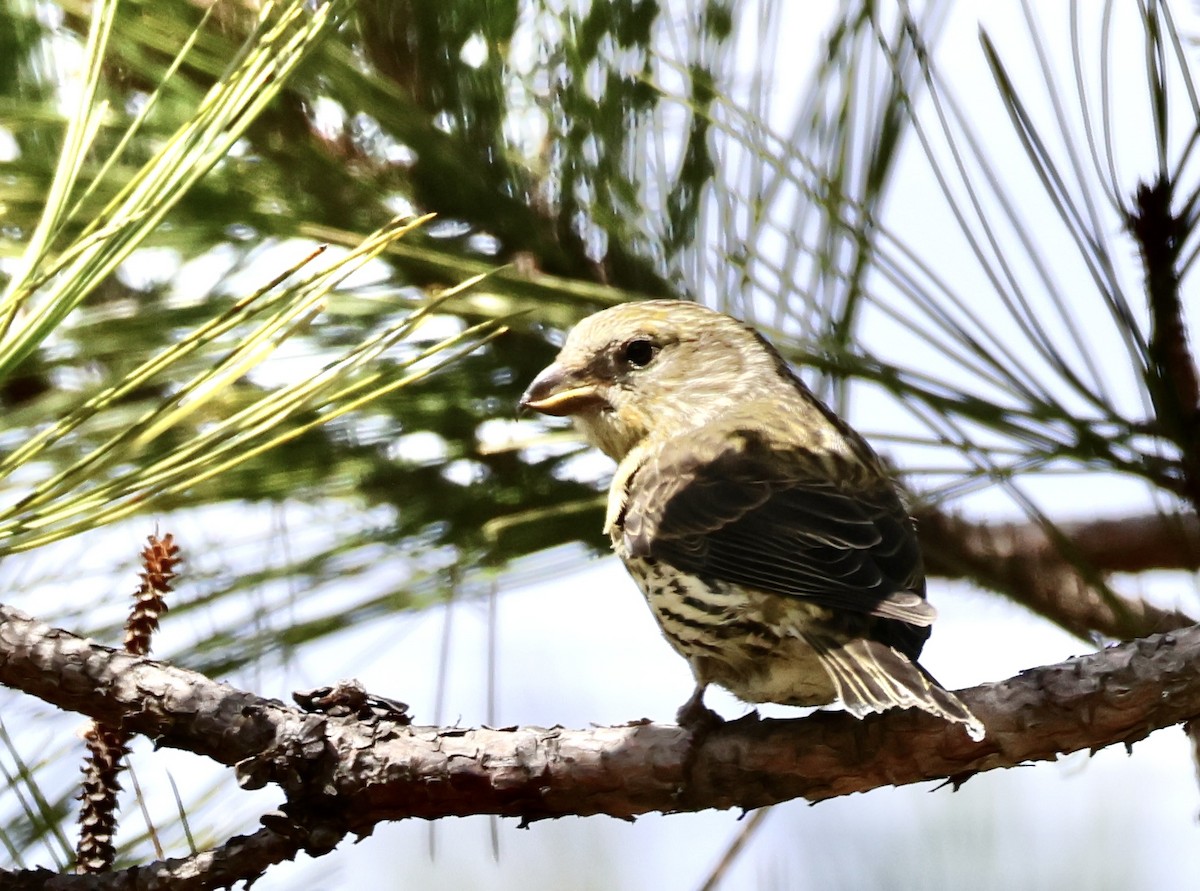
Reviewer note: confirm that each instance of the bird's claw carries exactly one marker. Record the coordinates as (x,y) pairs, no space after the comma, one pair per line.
(697,717)
(349,699)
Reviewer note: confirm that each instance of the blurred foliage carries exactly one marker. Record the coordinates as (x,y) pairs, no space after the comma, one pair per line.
(408,109)
(578,155)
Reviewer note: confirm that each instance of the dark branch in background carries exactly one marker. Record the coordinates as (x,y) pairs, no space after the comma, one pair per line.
(1171,371)
(342,775)
(1021,561)
(1024,563)
(243,858)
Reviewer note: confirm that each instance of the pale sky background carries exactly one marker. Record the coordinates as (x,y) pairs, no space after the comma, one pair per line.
(582,649)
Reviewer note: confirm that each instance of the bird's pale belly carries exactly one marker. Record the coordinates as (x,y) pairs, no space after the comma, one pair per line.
(744,640)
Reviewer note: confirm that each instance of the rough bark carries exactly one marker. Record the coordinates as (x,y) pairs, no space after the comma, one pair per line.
(358,773)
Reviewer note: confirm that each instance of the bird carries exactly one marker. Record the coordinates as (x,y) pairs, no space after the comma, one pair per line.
(767,536)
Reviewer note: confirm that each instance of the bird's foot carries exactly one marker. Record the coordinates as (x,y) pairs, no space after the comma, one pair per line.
(349,699)
(697,717)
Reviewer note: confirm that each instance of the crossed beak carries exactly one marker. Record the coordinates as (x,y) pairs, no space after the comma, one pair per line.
(560,391)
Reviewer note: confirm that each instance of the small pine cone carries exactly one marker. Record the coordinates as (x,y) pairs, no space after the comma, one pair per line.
(158,560)
(98,813)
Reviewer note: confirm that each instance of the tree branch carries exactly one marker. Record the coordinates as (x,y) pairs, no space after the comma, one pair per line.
(1023,562)
(242,858)
(1170,374)
(355,774)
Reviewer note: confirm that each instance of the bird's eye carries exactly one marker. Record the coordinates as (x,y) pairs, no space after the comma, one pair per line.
(639,353)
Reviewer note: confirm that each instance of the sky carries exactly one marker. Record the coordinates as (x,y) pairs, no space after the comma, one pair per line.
(582,649)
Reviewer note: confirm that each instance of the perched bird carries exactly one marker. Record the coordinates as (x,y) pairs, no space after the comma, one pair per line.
(771,544)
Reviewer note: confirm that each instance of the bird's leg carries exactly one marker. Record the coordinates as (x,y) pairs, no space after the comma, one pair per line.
(695,715)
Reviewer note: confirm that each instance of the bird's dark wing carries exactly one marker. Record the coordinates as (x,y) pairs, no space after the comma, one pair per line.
(731,506)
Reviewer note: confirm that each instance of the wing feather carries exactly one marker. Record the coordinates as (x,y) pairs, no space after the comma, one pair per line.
(731,506)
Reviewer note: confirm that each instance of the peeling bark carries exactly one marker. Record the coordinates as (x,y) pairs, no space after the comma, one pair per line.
(360,773)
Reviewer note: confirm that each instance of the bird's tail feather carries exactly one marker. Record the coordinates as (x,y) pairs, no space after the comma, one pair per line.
(872,677)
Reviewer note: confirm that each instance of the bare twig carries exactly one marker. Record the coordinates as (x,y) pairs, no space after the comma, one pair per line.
(745,832)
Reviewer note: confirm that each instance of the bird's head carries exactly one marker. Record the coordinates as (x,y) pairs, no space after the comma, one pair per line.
(661,366)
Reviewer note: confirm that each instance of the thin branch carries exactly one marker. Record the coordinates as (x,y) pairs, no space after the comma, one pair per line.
(747,831)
